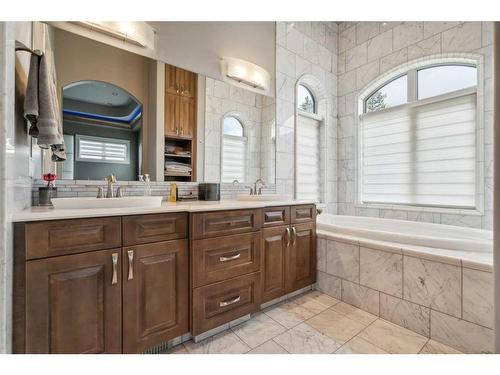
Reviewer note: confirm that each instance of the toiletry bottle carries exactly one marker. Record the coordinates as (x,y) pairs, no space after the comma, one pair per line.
(173,192)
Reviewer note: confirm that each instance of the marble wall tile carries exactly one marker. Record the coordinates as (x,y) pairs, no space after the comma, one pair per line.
(342,260)
(380,45)
(405,314)
(394,59)
(459,334)
(321,255)
(356,56)
(366,30)
(367,73)
(464,37)
(408,33)
(478,297)
(431,28)
(471,221)
(360,296)
(433,284)
(426,47)
(347,39)
(329,284)
(382,271)
(393,214)
(295,41)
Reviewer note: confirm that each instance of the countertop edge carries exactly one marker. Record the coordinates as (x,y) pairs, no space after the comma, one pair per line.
(37,213)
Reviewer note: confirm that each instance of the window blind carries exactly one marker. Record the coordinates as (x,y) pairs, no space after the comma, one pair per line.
(104,150)
(421,155)
(233,158)
(308,158)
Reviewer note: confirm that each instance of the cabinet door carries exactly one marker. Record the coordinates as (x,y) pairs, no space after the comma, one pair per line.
(171,114)
(171,84)
(301,262)
(73,304)
(186,117)
(155,294)
(186,81)
(274,247)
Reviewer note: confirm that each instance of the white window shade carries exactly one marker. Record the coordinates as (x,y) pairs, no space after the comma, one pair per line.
(308,158)
(233,158)
(102,150)
(423,154)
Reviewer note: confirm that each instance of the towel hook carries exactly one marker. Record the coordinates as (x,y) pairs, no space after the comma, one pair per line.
(21,47)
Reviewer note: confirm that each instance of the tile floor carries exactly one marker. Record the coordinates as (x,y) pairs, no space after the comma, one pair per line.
(314,323)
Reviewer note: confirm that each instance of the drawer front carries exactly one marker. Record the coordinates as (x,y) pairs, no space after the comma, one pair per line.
(223,223)
(62,237)
(142,229)
(217,304)
(218,259)
(275,216)
(303,213)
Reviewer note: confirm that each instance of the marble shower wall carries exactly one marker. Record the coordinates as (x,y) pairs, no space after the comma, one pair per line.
(15,183)
(306,50)
(369,49)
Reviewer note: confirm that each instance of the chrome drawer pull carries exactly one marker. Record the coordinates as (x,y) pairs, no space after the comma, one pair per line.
(130,254)
(287,237)
(294,232)
(225,259)
(230,302)
(114,258)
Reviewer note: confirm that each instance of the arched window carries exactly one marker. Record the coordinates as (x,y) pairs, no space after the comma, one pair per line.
(234,160)
(305,99)
(418,138)
(308,158)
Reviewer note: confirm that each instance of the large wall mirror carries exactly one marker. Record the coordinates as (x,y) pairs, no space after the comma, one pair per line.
(127,114)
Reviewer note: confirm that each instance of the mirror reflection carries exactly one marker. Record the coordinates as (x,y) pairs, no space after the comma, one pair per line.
(128,115)
(102,129)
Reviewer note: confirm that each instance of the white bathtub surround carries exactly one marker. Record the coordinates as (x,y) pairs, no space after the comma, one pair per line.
(369,50)
(381,270)
(443,296)
(433,284)
(406,314)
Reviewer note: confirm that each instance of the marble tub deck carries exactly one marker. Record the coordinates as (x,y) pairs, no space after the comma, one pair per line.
(315,323)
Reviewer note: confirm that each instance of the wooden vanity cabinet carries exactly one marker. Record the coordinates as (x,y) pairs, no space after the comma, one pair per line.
(180,102)
(155,294)
(73,304)
(288,251)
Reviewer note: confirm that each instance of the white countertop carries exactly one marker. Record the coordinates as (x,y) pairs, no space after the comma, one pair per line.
(49,213)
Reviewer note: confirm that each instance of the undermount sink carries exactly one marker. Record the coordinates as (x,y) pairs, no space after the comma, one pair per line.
(90,202)
(264,198)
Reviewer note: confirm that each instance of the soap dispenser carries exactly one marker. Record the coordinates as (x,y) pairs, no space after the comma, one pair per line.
(173,193)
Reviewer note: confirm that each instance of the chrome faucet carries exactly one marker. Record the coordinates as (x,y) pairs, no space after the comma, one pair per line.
(262,184)
(236,182)
(111,179)
(147,185)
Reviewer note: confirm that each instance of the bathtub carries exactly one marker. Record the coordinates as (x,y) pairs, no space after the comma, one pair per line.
(436,280)
(404,232)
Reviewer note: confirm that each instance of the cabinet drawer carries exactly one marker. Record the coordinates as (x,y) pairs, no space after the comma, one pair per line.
(141,229)
(218,259)
(62,237)
(223,223)
(216,304)
(303,213)
(275,216)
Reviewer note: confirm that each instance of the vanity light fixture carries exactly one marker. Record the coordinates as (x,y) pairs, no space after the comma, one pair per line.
(245,74)
(138,33)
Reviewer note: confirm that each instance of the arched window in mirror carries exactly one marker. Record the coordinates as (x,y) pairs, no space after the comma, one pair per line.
(305,99)
(234,145)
